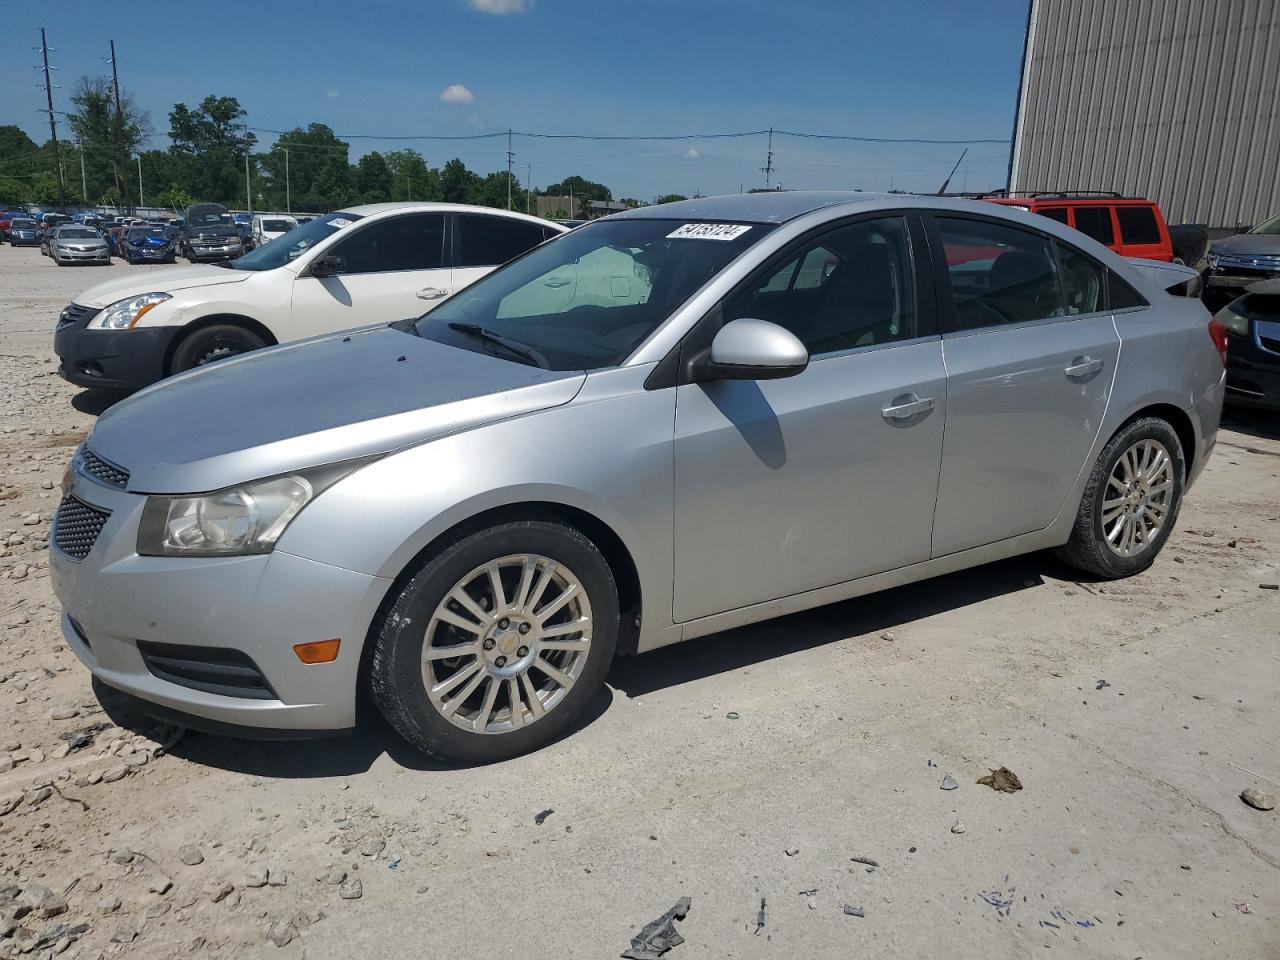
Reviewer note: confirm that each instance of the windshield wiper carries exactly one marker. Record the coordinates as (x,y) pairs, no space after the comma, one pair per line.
(514,347)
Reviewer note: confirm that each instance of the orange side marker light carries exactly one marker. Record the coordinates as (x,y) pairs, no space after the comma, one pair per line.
(321,651)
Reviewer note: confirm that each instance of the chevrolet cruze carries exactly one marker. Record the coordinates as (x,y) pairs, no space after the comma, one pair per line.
(660,425)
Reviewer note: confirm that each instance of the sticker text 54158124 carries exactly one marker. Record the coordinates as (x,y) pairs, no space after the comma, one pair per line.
(708,231)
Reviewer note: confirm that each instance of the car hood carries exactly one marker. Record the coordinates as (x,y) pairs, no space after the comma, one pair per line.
(182,278)
(314,402)
(1248,244)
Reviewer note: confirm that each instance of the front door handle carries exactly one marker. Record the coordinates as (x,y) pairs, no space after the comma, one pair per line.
(432,293)
(1083,367)
(908,407)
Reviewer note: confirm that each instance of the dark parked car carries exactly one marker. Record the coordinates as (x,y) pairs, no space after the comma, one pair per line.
(8,217)
(1253,346)
(209,234)
(1238,261)
(23,233)
(149,244)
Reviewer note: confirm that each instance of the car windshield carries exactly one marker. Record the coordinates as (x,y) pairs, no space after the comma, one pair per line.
(209,218)
(139,233)
(77,233)
(277,226)
(587,299)
(22,224)
(294,244)
(1271,226)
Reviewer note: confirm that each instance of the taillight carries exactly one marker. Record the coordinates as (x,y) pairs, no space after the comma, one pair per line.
(1218,334)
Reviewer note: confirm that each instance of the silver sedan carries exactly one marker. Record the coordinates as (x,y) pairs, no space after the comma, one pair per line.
(73,243)
(658,426)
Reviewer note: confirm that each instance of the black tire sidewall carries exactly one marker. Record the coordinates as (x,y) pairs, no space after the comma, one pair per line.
(196,344)
(1145,429)
(396,670)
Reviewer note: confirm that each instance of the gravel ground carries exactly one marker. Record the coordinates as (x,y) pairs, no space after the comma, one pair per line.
(745,769)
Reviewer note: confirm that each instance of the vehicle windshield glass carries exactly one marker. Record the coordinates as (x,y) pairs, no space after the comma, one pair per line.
(295,243)
(77,233)
(277,226)
(588,298)
(1268,226)
(138,233)
(22,224)
(209,218)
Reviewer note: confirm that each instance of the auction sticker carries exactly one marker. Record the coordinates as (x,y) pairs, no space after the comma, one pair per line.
(708,231)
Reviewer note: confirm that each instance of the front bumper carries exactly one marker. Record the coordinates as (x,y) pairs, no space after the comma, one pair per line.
(261,606)
(1222,285)
(1253,372)
(62,255)
(112,359)
(223,252)
(143,254)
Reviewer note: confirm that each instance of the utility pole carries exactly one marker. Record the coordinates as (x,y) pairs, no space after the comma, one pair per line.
(510,156)
(288,208)
(248,190)
(115,147)
(528,187)
(767,169)
(140,200)
(84,183)
(53,124)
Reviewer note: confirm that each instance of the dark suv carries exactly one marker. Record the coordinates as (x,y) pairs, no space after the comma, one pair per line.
(209,233)
(1234,263)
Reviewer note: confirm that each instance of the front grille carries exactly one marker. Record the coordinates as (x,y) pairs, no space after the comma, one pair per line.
(228,673)
(94,466)
(76,527)
(1264,262)
(74,313)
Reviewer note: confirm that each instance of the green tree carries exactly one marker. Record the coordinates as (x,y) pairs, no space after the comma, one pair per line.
(458,184)
(106,138)
(586,189)
(411,178)
(373,178)
(319,177)
(671,198)
(214,134)
(491,191)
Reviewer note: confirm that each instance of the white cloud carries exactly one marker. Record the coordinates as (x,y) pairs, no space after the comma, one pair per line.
(497,7)
(691,154)
(331,94)
(456,93)
(476,122)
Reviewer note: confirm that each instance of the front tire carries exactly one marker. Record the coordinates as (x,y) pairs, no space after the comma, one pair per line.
(211,344)
(496,644)
(1131,502)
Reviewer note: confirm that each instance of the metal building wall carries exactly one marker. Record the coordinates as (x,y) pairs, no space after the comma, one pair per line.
(1176,100)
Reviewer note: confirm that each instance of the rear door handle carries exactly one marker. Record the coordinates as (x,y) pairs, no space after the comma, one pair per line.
(431,293)
(911,406)
(1083,367)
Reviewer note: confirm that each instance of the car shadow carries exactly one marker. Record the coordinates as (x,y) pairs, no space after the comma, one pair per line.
(1264,424)
(96,402)
(672,666)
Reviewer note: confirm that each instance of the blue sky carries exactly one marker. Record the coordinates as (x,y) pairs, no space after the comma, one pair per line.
(933,69)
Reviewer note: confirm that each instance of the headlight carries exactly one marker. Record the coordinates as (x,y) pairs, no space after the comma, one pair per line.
(1233,319)
(123,314)
(1211,259)
(234,522)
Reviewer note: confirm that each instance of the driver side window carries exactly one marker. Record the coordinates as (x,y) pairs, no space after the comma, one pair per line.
(411,242)
(849,287)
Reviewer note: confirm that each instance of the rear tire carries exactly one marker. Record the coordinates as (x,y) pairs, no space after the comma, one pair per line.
(1131,502)
(211,344)
(502,703)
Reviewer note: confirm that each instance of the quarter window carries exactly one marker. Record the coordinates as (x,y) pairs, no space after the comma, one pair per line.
(1096,222)
(1054,213)
(1084,281)
(488,241)
(999,274)
(1138,225)
(850,287)
(414,241)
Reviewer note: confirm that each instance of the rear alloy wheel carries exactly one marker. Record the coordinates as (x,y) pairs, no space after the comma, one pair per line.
(211,344)
(1130,503)
(495,646)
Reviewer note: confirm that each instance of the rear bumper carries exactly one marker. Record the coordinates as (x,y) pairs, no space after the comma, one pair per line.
(1253,375)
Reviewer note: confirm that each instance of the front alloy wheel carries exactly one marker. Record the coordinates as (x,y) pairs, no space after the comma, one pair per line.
(1138,497)
(497,642)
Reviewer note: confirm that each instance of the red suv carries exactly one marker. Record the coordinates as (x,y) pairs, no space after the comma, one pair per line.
(1130,226)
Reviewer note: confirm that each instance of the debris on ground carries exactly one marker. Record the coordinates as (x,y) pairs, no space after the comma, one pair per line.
(1243,908)
(957,827)
(541,818)
(851,911)
(1002,900)
(865,861)
(1269,586)
(792,851)
(1258,799)
(1002,780)
(1102,685)
(1065,919)
(658,936)
(948,783)
(760,916)
(731,715)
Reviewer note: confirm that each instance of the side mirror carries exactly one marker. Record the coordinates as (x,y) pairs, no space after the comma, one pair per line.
(750,349)
(329,266)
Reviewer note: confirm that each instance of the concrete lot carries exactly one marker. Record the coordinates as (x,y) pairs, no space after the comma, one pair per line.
(1130,711)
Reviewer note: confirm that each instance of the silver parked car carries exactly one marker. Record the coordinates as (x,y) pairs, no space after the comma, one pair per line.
(73,243)
(660,425)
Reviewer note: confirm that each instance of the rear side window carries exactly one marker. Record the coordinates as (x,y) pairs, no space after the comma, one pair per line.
(1084,281)
(1054,213)
(414,241)
(488,241)
(1120,295)
(1096,222)
(999,274)
(1138,225)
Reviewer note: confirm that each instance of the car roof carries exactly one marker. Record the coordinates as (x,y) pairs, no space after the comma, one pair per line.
(373,209)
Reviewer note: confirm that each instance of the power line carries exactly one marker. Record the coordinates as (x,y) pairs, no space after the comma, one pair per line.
(852,138)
